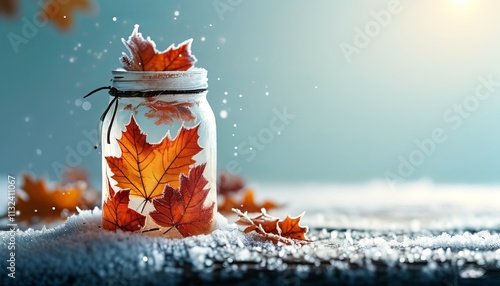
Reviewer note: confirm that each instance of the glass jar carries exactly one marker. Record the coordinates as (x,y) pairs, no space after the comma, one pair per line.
(159,154)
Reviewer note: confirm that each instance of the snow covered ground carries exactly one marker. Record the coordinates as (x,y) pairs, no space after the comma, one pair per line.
(418,234)
(375,205)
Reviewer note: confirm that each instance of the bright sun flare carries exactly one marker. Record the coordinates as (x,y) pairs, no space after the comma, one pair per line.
(462,3)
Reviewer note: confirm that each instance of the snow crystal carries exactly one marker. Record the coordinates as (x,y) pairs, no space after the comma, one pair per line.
(223,114)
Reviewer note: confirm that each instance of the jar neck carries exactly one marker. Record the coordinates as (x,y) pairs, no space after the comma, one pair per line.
(164,95)
(176,82)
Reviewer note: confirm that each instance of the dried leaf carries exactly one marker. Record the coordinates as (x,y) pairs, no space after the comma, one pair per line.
(9,8)
(61,12)
(145,56)
(165,112)
(146,168)
(117,215)
(290,227)
(287,231)
(75,175)
(78,177)
(233,194)
(246,204)
(45,204)
(229,184)
(184,208)
(264,221)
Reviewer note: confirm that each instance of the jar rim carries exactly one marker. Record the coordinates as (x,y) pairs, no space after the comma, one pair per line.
(192,79)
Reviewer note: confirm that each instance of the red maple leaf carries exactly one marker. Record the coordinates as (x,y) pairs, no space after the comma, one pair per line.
(117,215)
(229,184)
(145,56)
(184,208)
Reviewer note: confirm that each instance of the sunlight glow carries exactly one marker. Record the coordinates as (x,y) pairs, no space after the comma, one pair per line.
(462,3)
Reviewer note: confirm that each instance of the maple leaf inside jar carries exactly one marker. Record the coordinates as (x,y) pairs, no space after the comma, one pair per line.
(159,144)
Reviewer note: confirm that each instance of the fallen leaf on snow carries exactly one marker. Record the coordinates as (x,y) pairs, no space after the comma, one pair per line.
(287,231)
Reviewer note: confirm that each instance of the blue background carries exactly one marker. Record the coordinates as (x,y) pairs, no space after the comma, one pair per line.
(357,115)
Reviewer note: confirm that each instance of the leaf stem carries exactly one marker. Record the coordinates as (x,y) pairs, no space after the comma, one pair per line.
(168,229)
(143,206)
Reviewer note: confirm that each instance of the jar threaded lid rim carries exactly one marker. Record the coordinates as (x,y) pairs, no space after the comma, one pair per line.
(192,79)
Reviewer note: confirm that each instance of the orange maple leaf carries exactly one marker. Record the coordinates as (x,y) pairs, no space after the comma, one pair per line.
(246,204)
(184,208)
(165,112)
(288,230)
(61,13)
(145,56)
(146,168)
(117,215)
(44,204)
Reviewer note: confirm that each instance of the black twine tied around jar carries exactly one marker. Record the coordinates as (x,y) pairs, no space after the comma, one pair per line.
(117,94)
